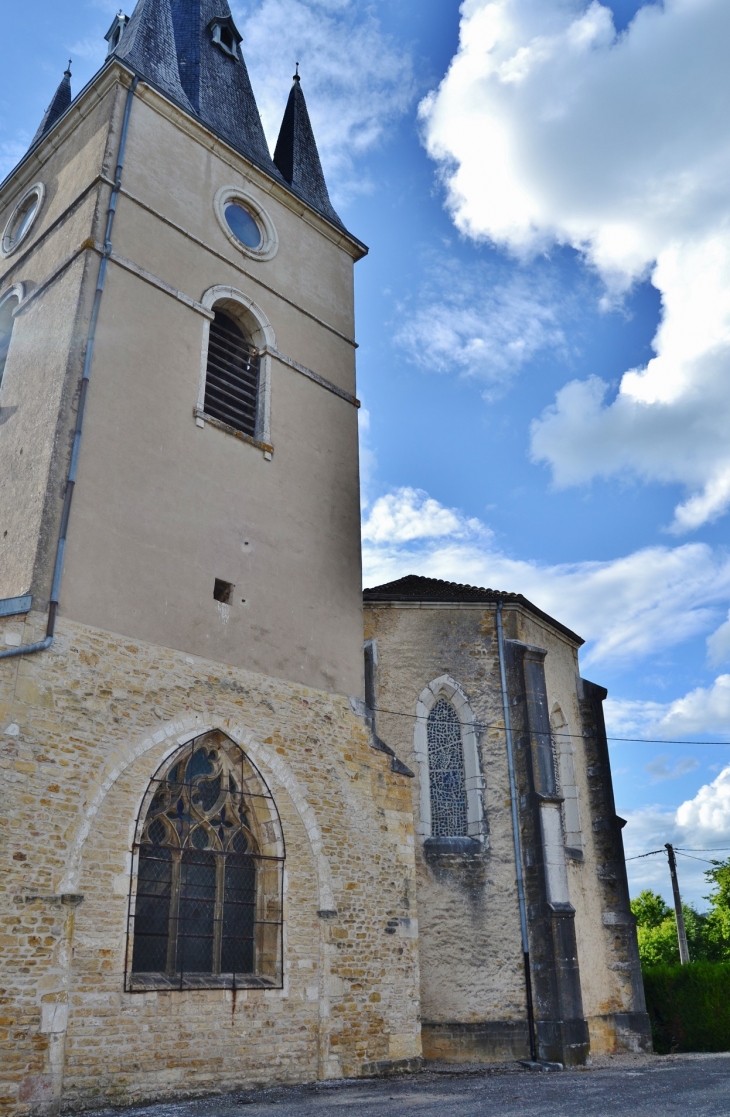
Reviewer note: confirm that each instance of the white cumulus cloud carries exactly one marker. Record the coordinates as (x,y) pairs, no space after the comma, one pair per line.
(703,710)
(625,608)
(707,815)
(551,128)
(411,514)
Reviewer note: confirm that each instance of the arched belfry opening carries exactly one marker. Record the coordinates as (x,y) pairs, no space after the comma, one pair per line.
(206,892)
(232,372)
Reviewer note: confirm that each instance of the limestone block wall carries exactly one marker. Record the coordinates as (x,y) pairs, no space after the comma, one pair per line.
(472,980)
(83,728)
(470,952)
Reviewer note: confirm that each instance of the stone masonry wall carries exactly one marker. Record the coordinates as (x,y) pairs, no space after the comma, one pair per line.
(472,980)
(470,950)
(83,727)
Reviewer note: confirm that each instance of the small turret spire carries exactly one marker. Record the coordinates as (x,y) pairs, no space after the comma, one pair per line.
(59,104)
(296,155)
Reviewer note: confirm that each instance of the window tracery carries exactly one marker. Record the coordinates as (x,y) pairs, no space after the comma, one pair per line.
(207,906)
(446,772)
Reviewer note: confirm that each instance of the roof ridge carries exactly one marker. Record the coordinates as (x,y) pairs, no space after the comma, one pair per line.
(415,587)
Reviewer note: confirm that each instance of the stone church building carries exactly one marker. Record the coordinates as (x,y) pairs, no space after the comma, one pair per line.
(255,829)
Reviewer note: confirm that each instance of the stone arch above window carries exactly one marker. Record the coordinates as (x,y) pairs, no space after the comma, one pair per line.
(235,371)
(207,879)
(564,752)
(451,782)
(9,303)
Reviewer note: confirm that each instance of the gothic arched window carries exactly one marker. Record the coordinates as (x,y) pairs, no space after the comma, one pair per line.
(207,906)
(8,304)
(446,772)
(232,375)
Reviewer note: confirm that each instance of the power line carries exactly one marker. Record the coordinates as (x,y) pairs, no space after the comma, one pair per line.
(560,732)
(704,860)
(684,852)
(711,849)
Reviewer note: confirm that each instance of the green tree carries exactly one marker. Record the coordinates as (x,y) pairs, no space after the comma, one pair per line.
(718,920)
(650,909)
(657,931)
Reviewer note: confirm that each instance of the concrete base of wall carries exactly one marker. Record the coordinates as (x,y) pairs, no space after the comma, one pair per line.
(620,1031)
(489,1041)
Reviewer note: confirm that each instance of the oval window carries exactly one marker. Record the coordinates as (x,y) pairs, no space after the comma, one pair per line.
(22,218)
(242,225)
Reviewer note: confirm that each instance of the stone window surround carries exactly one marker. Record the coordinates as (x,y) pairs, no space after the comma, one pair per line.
(253,320)
(269,237)
(8,246)
(565,752)
(447,688)
(132,984)
(17,291)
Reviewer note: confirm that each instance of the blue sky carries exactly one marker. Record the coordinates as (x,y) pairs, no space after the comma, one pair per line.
(544,323)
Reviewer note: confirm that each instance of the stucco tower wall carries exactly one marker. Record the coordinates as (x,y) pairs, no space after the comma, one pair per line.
(164,503)
(54,271)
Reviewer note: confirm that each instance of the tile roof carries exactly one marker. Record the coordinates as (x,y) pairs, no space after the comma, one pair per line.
(413,587)
(296,154)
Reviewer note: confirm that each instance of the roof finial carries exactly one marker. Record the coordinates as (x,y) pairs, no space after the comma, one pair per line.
(67,73)
(296,75)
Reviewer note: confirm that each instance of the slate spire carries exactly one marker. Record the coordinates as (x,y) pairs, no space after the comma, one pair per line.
(189,50)
(59,104)
(296,154)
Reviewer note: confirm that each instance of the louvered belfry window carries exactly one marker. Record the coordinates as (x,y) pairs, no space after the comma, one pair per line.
(232,377)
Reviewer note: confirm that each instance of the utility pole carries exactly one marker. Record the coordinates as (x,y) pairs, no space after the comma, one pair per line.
(681,933)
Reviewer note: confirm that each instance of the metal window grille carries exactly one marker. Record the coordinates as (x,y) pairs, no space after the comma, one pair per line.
(232,376)
(446,772)
(206,899)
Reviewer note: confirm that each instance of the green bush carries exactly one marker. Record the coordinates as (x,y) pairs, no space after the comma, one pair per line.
(689,1006)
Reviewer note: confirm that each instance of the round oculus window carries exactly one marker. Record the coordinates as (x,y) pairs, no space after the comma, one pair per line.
(22,218)
(242,225)
(246,223)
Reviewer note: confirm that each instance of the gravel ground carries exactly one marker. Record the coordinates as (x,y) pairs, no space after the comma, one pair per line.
(633,1086)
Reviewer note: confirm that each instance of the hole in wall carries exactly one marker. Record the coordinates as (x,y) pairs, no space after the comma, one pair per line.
(222,591)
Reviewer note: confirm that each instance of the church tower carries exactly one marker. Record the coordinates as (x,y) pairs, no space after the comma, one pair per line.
(191,785)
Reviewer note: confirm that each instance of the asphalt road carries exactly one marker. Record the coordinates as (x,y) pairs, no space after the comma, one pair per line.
(696,1085)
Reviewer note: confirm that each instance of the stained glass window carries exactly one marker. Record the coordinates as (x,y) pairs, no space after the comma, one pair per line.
(446,772)
(207,904)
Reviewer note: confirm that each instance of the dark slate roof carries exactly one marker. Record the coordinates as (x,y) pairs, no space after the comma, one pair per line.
(169,43)
(297,157)
(57,107)
(415,588)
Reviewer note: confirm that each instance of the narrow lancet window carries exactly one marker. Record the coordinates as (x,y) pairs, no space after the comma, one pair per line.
(207,904)
(446,772)
(7,307)
(232,376)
